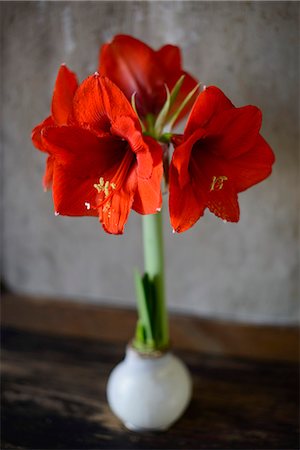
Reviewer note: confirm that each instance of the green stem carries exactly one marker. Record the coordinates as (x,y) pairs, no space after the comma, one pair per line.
(152,326)
(154,268)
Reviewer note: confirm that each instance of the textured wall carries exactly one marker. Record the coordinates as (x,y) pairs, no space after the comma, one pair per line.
(247,271)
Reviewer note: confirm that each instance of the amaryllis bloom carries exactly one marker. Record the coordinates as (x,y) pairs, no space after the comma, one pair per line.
(103,165)
(220,154)
(137,68)
(61,109)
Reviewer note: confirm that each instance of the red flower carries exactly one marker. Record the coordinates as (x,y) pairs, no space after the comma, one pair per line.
(61,109)
(220,154)
(102,163)
(134,67)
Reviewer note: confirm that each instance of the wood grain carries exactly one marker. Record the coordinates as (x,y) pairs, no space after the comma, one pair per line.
(67,318)
(54,398)
(56,357)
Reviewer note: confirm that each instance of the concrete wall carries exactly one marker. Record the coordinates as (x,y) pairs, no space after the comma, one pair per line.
(247,271)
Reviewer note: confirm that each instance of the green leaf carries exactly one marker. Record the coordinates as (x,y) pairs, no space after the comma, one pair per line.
(182,106)
(150,300)
(150,125)
(162,116)
(176,89)
(133,104)
(140,335)
(143,307)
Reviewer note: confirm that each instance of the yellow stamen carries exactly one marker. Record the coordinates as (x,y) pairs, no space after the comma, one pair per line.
(104,186)
(218,183)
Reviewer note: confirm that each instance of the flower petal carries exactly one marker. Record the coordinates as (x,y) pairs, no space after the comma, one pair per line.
(134,67)
(36,133)
(185,207)
(99,103)
(210,102)
(182,154)
(73,195)
(81,159)
(169,56)
(224,204)
(125,127)
(48,175)
(252,167)
(114,213)
(148,198)
(234,132)
(92,175)
(64,90)
(212,181)
(82,151)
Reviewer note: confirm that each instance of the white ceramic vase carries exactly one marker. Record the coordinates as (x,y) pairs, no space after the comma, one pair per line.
(149,391)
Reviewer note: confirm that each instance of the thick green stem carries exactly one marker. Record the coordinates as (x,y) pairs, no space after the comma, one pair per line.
(154,268)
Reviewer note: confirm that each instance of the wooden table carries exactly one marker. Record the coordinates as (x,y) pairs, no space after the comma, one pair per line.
(56,357)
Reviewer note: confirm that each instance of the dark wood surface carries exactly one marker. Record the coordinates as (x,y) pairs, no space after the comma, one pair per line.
(217,337)
(53,386)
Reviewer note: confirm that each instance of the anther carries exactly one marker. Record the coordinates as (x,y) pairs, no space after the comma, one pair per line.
(217,183)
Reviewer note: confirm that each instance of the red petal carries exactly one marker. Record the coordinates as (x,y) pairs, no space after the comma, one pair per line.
(36,133)
(134,67)
(212,180)
(169,56)
(253,166)
(148,198)
(114,214)
(64,90)
(224,204)
(125,127)
(99,103)
(209,103)
(48,175)
(73,195)
(82,151)
(177,139)
(81,160)
(234,132)
(182,154)
(185,207)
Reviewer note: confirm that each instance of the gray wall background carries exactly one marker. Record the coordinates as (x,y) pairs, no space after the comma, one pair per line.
(248,271)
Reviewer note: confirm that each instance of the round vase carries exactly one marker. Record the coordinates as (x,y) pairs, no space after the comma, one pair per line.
(149,391)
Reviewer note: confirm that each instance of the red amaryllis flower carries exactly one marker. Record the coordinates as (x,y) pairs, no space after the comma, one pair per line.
(220,154)
(136,68)
(102,163)
(61,109)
